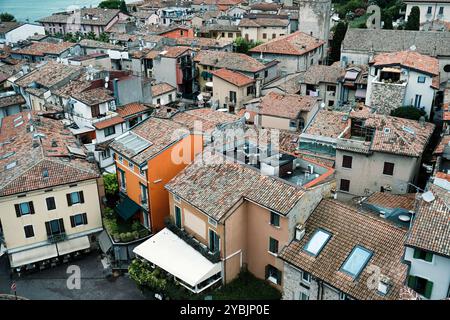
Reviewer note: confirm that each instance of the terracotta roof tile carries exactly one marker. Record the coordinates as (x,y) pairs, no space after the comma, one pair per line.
(348,229)
(227,183)
(431,226)
(297,43)
(408,59)
(209,119)
(12,100)
(236,78)
(327,124)
(132,109)
(231,60)
(24,155)
(263,22)
(162,88)
(43,48)
(388,200)
(286,105)
(108,122)
(94,96)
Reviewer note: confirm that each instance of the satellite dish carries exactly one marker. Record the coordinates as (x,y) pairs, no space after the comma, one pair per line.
(413,48)
(247,116)
(106,79)
(106,85)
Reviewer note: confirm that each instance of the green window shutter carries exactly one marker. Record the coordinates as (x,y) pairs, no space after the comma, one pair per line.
(412,282)
(429,257)
(428,289)
(416,253)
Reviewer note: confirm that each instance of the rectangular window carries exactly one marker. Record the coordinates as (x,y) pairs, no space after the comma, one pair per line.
(249,90)
(273,245)
(306,277)
(78,220)
(356,261)
(317,242)
(418,101)
(344,185)
(51,205)
(273,274)
(106,154)
(109,131)
(223,34)
(95,111)
(130,165)
(388,168)
(429,10)
(303,296)
(423,255)
(347,162)
(170,97)
(158,101)
(274,35)
(74,198)
(54,227)
(29,232)
(422,286)
(233,96)
(122,179)
(441,10)
(178,217)
(274,219)
(230,35)
(421,79)
(143,196)
(264,35)
(214,242)
(24,208)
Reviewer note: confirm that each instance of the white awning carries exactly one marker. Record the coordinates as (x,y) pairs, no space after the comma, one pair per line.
(73,245)
(32,255)
(169,252)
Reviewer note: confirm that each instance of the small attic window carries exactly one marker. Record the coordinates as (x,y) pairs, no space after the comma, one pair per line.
(45,173)
(7,155)
(54,144)
(18,118)
(18,124)
(387,130)
(11,165)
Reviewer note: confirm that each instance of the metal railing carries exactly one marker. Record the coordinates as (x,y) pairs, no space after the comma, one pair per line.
(54,238)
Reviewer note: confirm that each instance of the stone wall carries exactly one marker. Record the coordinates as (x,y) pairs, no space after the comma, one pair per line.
(292,287)
(386,97)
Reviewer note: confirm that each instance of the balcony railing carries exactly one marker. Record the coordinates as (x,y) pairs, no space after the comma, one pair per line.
(143,201)
(214,257)
(353,145)
(54,238)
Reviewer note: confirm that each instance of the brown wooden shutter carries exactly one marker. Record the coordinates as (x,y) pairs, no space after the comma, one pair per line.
(47,227)
(31,207)
(81,197)
(85,218)
(69,200)
(17,210)
(61,225)
(72,221)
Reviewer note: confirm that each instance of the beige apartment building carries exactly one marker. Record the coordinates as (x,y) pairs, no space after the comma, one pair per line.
(263,29)
(232,89)
(49,192)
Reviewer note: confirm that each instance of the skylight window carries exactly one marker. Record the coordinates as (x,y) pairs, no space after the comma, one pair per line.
(18,118)
(317,242)
(11,165)
(356,261)
(18,124)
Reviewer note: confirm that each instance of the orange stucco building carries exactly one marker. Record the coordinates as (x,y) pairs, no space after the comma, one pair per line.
(147,157)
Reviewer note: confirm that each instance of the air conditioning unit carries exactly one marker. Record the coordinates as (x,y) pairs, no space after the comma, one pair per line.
(299,232)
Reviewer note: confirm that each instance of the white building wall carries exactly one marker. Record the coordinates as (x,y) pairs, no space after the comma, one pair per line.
(23,32)
(436,271)
(164,70)
(435,7)
(164,98)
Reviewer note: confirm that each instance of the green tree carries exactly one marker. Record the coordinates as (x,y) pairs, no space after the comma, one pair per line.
(338,37)
(103,37)
(408,112)
(111,184)
(109,4)
(91,35)
(388,22)
(413,22)
(243,45)
(123,7)
(6,17)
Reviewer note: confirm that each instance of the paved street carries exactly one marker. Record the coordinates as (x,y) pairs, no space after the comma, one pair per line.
(50,284)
